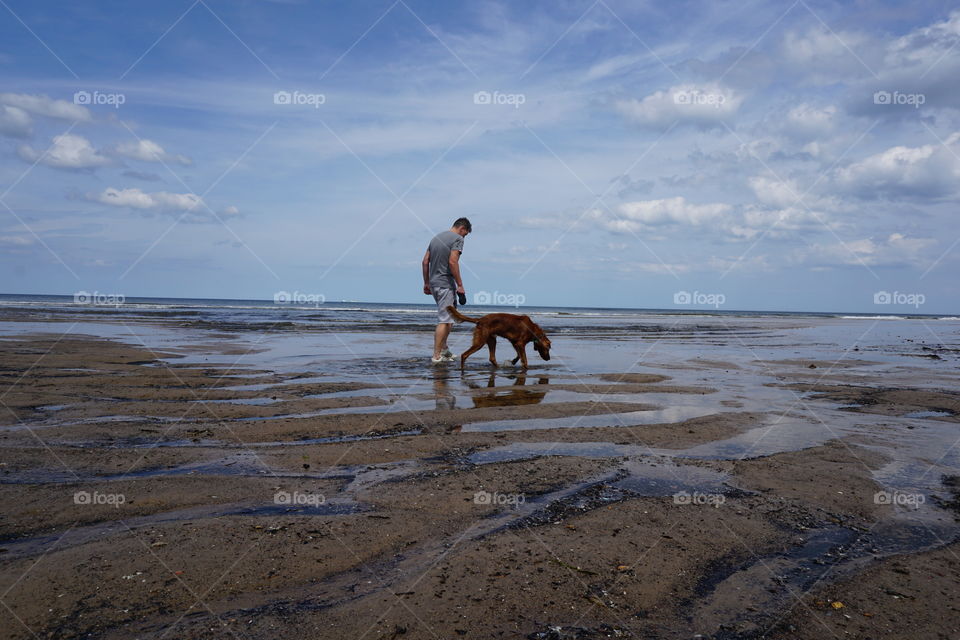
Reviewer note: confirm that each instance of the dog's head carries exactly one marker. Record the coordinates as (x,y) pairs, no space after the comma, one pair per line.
(541,343)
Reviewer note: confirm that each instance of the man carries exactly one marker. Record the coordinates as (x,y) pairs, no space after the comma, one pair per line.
(441,277)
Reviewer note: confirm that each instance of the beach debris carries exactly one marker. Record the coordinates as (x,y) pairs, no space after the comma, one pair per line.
(600,596)
(836,604)
(573,568)
(559,632)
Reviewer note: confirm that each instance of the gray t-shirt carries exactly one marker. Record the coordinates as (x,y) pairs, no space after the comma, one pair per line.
(440,247)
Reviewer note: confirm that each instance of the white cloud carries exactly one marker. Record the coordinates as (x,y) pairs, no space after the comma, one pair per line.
(668,211)
(825,56)
(160,200)
(149,151)
(45,106)
(15,122)
(16,241)
(68,151)
(662,268)
(896,250)
(163,202)
(922,64)
(930,171)
(925,46)
(774,192)
(700,105)
(809,121)
(782,223)
(611,66)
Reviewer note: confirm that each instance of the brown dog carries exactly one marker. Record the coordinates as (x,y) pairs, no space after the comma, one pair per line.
(519,330)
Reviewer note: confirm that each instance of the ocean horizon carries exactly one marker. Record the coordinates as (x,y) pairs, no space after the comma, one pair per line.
(107,302)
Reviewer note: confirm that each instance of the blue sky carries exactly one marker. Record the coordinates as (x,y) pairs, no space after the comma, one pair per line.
(791,156)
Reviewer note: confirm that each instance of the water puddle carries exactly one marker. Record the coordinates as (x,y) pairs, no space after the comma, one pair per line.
(631,418)
(777,437)
(772,582)
(245,401)
(47,424)
(928,414)
(36,545)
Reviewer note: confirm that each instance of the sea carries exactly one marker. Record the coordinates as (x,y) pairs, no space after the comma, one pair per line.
(281,315)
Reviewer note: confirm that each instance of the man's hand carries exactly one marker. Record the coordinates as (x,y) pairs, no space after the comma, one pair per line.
(460,289)
(426,289)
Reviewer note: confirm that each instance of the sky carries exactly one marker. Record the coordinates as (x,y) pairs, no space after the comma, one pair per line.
(798,156)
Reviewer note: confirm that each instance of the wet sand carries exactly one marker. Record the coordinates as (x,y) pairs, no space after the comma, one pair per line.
(732,482)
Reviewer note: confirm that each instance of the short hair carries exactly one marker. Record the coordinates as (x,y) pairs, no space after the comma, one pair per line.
(463,222)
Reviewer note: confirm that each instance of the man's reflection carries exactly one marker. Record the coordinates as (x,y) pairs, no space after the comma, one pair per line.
(441,389)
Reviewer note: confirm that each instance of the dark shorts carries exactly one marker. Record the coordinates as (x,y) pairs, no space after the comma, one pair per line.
(445,298)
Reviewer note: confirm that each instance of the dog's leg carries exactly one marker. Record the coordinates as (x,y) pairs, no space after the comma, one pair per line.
(492,346)
(476,346)
(521,353)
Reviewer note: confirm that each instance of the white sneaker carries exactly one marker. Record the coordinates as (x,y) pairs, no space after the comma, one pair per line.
(438,360)
(447,353)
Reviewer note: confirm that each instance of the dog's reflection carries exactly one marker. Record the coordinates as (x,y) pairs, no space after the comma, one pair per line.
(514,397)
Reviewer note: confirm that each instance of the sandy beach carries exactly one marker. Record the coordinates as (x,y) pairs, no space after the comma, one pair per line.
(716,477)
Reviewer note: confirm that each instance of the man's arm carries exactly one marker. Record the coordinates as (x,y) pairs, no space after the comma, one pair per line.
(455,269)
(426,272)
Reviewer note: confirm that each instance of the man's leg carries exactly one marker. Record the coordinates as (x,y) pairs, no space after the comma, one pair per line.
(440,338)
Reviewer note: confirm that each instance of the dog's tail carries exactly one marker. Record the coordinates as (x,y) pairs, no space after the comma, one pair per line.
(459,316)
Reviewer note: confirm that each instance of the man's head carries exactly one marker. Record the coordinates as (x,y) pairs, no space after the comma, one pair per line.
(462,226)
